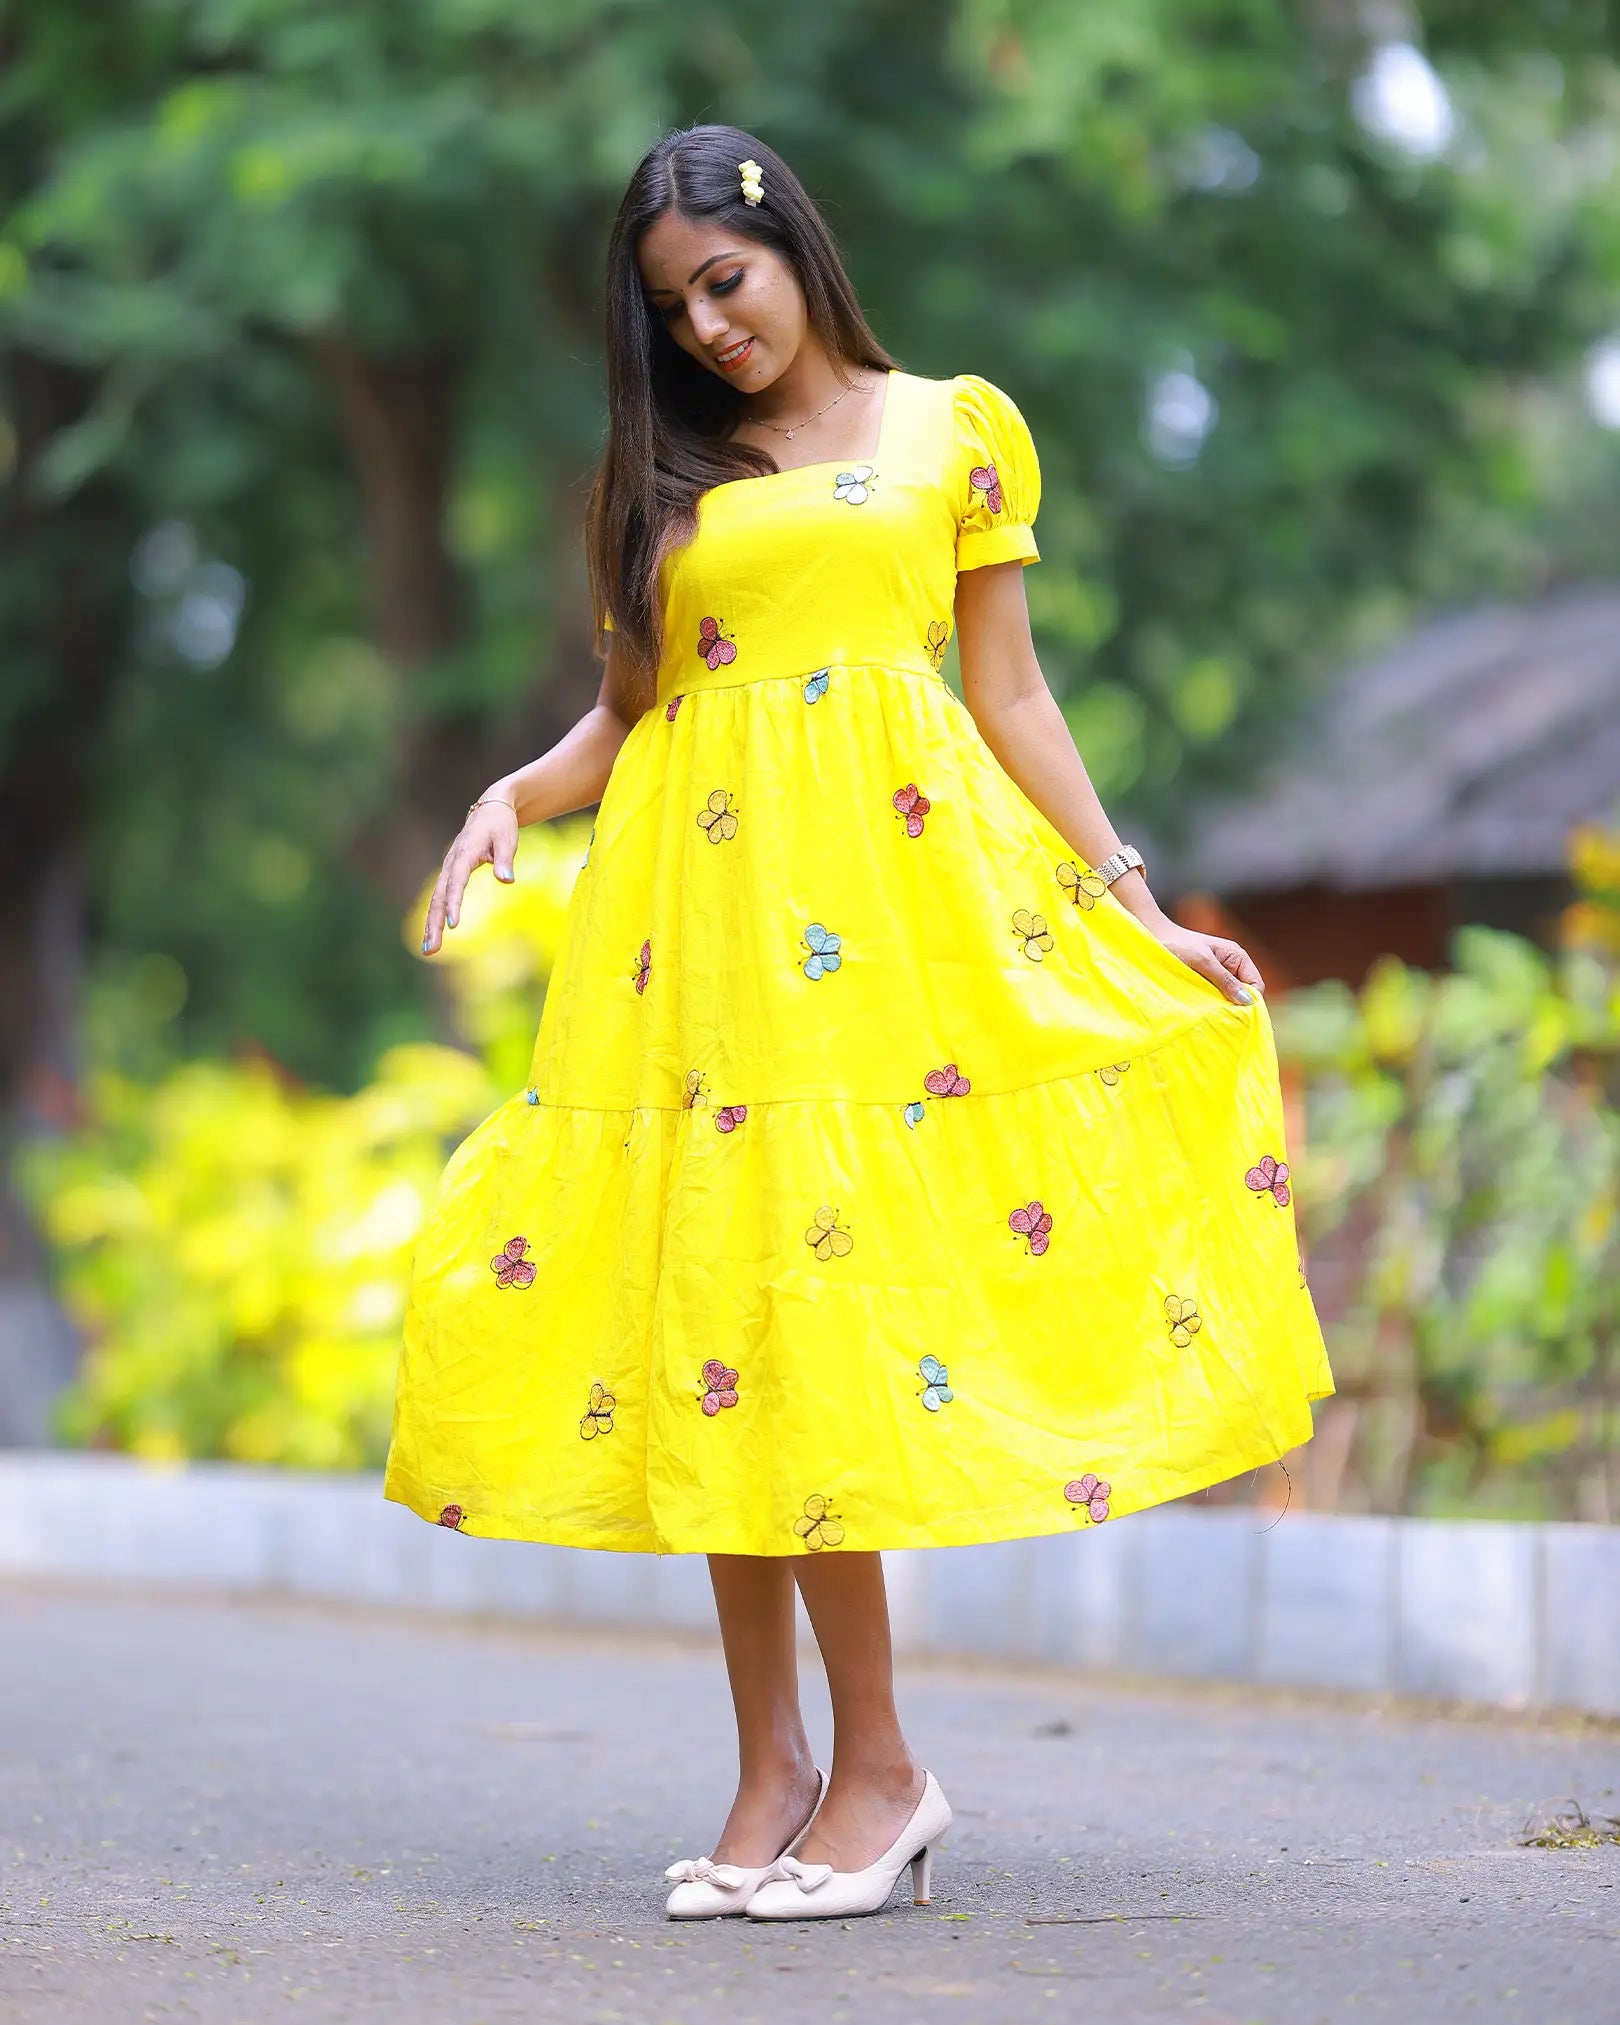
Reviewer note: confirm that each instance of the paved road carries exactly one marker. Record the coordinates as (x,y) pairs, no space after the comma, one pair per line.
(239,1812)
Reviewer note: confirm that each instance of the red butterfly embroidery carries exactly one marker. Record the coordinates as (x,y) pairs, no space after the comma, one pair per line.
(1090,1491)
(1034,1223)
(946,1082)
(729,1117)
(451,1516)
(1270,1178)
(675,701)
(986,479)
(714,647)
(510,1267)
(912,806)
(643,966)
(722,1383)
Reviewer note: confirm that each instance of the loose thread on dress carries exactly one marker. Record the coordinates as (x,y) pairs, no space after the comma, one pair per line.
(1286,1501)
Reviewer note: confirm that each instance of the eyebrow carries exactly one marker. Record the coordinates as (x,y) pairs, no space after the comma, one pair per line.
(696,271)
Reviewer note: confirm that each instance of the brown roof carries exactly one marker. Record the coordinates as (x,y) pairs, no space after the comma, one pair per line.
(1471,749)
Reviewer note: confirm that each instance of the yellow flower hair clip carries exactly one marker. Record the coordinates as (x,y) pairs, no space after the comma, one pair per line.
(752,188)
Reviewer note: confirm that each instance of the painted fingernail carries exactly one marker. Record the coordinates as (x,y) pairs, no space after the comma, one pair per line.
(424,945)
(1243,995)
(452,920)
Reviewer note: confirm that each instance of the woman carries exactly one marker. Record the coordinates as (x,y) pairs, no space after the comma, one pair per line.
(893,1171)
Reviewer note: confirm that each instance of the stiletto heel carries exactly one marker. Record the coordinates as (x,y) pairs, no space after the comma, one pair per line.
(811,1891)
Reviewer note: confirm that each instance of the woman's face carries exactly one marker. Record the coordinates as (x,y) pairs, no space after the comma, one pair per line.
(735,305)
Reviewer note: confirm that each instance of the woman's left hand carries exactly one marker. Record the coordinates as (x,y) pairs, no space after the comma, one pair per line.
(1217,957)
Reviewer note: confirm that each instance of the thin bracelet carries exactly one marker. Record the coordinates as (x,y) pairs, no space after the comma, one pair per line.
(491,798)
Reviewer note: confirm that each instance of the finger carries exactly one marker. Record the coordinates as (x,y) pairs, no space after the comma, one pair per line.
(455,886)
(505,849)
(1238,960)
(433,925)
(1208,964)
(469,856)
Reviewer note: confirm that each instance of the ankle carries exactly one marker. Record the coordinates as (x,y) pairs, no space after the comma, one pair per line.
(777,1771)
(887,1768)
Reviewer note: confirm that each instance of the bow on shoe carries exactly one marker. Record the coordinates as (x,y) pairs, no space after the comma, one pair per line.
(805,1875)
(704,1870)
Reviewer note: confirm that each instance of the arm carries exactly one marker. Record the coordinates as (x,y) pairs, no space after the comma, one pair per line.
(572,775)
(1020,721)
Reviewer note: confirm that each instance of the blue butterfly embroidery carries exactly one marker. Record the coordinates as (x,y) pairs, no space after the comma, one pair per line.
(914,1113)
(824,947)
(532,1094)
(816,685)
(935,1391)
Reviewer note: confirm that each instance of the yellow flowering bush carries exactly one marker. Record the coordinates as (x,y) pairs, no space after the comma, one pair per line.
(236,1246)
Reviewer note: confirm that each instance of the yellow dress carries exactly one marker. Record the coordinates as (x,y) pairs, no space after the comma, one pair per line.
(880,1182)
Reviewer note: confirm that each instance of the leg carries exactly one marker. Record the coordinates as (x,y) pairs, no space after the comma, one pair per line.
(875,1782)
(776,1786)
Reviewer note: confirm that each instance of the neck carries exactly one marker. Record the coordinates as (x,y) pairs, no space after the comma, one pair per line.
(796,394)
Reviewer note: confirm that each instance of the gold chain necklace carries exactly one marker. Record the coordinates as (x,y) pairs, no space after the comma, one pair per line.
(816,417)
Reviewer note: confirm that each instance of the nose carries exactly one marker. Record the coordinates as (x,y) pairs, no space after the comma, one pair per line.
(708,324)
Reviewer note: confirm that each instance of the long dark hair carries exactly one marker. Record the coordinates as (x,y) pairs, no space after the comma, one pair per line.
(668,419)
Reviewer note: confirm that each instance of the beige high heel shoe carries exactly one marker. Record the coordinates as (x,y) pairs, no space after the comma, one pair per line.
(706,1890)
(813,1891)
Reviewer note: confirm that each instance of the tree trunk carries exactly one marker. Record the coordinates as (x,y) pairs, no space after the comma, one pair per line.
(64,621)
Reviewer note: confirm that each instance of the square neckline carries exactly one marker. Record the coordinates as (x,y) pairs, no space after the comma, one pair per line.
(894,376)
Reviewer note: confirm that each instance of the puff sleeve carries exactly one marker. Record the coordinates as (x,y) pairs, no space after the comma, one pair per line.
(998,477)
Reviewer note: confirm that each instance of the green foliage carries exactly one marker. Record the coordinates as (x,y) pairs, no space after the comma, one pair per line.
(1460,1179)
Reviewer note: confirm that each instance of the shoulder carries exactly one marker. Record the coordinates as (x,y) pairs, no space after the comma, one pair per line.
(983,409)
(996,474)
(991,436)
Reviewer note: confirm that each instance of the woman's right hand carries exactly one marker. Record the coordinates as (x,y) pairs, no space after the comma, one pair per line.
(488,837)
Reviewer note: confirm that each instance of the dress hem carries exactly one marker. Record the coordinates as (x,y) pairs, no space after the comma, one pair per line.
(1021,1523)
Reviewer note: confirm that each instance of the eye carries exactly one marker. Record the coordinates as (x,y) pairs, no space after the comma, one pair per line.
(731,281)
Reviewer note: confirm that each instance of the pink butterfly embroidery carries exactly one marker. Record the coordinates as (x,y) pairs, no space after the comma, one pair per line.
(643,966)
(1091,1492)
(912,806)
(986,479)
(510,1267)
(674,703)
(714,647)
(1270,1178)
(451,1516)
(1034,1223)
(946,1082)
(729,1117)
(722,1383)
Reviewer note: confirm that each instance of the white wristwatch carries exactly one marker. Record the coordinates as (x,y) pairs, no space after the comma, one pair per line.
(1125,859)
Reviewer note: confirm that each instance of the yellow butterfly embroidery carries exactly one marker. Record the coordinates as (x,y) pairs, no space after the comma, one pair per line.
(718,818)
(818,1527)
(1037,937)
(598,1416)
(692,1092)
(829,1241)
(1183,1318)
(1110,1072)
(1085,889)
(938,634)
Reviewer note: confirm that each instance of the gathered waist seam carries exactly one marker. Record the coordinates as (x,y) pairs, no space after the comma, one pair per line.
(803,675)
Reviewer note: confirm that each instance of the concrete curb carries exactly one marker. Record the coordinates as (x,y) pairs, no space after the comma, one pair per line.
(1518,1616)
